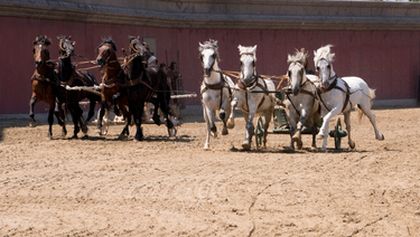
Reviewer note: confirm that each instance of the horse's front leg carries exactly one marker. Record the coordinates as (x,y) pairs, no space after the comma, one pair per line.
(59,114)
(225,113)
(209,118)
(137,111)
(323,131)
(231,119)
(249,130)
(351,143)
(32,102)
(91,113)
(267,119)
(50,120)
(127,117)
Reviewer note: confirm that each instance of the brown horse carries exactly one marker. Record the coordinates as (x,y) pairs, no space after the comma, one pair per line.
(156,76)
(45,86)
(70,76)
(113,93)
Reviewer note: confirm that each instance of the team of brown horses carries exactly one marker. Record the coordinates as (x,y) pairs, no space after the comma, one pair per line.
(124,87)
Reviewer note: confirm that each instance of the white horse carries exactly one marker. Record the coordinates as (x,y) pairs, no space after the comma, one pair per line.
(301,102)
(216,90)
(339,95)
(252,95)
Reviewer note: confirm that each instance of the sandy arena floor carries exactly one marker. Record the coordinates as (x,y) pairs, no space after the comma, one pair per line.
(167,187)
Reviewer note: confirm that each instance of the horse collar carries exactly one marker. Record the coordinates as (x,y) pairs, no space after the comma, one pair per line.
(333,84)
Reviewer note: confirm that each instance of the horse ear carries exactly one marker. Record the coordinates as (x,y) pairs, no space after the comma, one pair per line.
(73,43)
(240,48)
(254,48)
(200,46)
(289,58)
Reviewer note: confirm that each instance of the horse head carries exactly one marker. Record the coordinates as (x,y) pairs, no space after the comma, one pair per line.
(209,56)
(296,70)
(40,50)
(323,59)
(136,45)
(65,46)
(248,58)
(106,52)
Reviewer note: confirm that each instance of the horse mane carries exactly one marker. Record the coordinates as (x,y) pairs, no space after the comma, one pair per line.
(324,53)
(209,44)
(248,50)
(300,56)
(42,39)
(108,40)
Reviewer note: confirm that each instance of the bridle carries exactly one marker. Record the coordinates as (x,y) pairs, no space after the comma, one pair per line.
(211,69)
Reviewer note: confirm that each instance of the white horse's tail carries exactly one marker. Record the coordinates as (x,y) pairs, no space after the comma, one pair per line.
(371,94)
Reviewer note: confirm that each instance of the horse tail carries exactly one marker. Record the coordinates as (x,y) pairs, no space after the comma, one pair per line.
(371,94)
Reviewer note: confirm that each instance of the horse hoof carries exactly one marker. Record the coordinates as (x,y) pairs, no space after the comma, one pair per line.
(246,146)
(85,129)
(381,138)
(172,132)
(230,124)
(32,124)
(206,148)
(299,144)
(320,136)
(352,145)
(225,131)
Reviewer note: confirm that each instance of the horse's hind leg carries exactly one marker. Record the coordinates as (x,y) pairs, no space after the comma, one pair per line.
(351,143)
(59,114)
(368,112)
(267,119)
(137,112)
(75,118)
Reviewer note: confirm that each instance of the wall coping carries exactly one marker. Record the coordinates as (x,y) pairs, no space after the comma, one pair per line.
(241,14)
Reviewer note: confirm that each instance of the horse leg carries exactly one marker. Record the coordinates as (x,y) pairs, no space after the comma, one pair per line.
(126,131)
(59,114)
(32,102)
(231,119)
(351,143)
(208,118)
(50,120)
(267,119)
(75,118)
(224,113)
(249,130)
(104,106)
(323,131)
(163,98)
(137,115)
(372,118)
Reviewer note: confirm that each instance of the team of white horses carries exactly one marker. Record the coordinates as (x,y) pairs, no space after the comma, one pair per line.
(309,97)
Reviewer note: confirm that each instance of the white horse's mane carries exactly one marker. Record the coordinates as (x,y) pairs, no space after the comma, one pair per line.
(300,56)
(209,44)
(324,53)
(248,50)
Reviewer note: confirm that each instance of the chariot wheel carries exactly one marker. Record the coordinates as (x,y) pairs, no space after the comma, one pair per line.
(259,133)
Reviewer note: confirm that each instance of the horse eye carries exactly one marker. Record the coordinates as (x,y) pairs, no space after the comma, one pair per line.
(317,68)
(329,66)
(253,63)
(289,73)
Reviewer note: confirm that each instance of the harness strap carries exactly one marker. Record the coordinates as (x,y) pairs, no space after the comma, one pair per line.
(334,86)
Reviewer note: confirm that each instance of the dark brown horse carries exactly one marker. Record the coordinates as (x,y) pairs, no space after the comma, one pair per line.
(45,85)
(70,76)
(156,76)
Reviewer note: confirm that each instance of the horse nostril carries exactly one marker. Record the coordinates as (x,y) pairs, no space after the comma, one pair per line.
(100,62)
(295,91)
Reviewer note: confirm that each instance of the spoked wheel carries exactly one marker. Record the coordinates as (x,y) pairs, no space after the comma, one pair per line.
(259,133)
(337,134)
